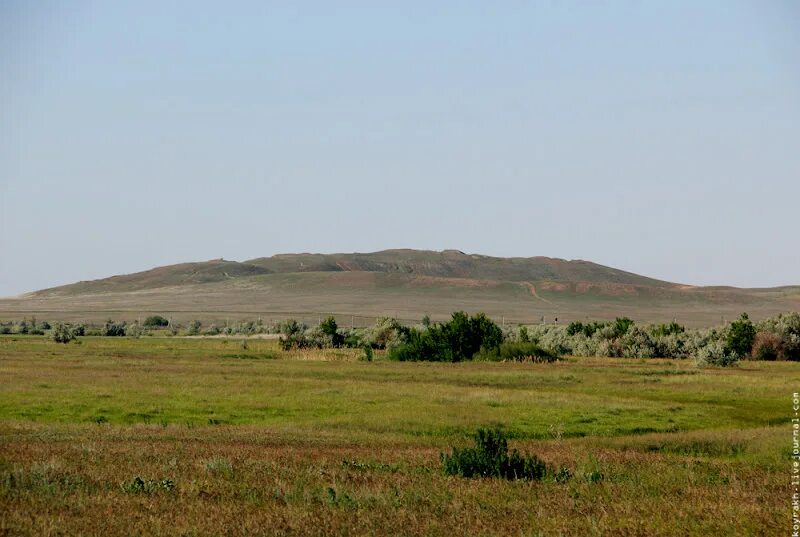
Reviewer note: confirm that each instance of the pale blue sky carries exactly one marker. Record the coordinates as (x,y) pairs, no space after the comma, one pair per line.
(658,137)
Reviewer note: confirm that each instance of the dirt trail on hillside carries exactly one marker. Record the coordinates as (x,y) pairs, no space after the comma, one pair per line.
(532,289)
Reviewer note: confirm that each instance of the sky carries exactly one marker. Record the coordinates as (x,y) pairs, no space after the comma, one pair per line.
(661,138)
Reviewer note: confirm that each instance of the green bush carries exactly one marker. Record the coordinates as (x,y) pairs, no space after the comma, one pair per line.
(367,356)
(456,340)
(518,351)
(331,329)
(155,321)
(292,335)
(524,336)
(741,335)
(662,330)
(490,458)
(621,326)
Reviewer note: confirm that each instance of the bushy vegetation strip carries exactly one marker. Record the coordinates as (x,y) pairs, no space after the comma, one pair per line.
(476,337)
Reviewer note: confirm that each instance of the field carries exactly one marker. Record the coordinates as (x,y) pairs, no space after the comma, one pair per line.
(244,441)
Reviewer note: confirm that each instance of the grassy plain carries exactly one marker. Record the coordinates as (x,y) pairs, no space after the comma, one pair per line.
(246,441)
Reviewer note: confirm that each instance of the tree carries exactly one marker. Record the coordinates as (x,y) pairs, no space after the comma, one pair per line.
(621,326)
(331,329)
(524,337)
(741,336)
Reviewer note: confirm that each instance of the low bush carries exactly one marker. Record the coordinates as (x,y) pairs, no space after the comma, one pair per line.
(156,321)
(135,330)
(137,485)
(367,356)
(716,353)
(293,335)
(490,458)
(766,346)
(517,352)
(112,329)
(220,467)
(63,333)
(787,328)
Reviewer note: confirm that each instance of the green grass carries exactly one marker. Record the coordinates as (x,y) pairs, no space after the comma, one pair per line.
(175,380)
(256,440)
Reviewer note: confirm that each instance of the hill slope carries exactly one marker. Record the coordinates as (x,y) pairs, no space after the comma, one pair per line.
(446,264)
(402,283)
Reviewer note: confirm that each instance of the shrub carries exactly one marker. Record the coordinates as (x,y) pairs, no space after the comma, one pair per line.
(609,347)
(194,328)
(63,333)
(112,329)
(292,335)
(367,356)
(671,346)
(490,458)
(220,467)
(741,335)
(716,353)
(637,343)
(524,337)
(787,328)
(767,346)
(213,330)
(155,321)
(459,339)
(331,330)
(621,326)
(137,485)
(661,330)
(135,330)
(247,328)
(517,352)
(387,333)
(575,327)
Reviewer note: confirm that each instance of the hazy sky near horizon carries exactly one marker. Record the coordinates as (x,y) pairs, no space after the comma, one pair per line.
(662,138)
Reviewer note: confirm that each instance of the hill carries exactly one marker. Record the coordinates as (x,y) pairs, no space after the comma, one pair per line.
(402,283)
